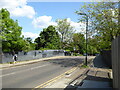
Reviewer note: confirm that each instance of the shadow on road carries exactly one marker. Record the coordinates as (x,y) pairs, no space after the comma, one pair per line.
(96,78)
(92,82)
(67,62)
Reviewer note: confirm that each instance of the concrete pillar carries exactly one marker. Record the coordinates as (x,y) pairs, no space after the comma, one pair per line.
(116,62)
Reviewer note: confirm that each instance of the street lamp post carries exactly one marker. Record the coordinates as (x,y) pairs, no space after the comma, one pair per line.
(86,35)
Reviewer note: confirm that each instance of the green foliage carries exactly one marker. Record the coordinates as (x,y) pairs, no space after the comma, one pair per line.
(84,66)
(79,42)
(29,44)
(66,32)
(44,49)
(93,45)
(67,50)
(26,47)
(11,62)
(75,54)
(91,50)
(49,38)
(11,34)
(28,39)
(103,17)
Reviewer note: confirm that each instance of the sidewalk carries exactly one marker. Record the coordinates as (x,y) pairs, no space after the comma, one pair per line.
(97,76)
(92,77)
(84,78)
(66,79)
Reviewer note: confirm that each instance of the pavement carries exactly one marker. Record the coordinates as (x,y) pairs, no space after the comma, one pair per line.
(38,73)
(96,78)
(97,75)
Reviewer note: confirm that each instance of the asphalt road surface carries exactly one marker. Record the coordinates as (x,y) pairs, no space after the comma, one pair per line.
(32,75)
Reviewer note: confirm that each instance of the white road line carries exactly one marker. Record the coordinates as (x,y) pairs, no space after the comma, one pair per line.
(7,74)
(39,66)
(10,67)
(16,66)
(24,70)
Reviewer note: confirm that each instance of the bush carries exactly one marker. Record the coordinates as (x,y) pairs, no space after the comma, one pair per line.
(11,62)
(84,66)
(77,54)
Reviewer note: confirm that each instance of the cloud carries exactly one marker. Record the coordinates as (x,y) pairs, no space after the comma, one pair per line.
(79,27)
(43,22)
(30,34)
(18,8)
(24,11)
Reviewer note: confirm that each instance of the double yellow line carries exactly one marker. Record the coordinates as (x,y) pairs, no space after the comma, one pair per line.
(56,78)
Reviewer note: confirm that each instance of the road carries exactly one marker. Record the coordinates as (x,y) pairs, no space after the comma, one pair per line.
(32,75)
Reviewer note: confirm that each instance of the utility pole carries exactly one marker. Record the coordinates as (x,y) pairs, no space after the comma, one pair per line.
(86,35)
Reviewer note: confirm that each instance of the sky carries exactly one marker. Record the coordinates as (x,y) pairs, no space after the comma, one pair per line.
(47,13)
(35,15)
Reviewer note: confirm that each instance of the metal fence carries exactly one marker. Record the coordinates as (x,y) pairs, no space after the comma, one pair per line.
(36,54)
(116,62)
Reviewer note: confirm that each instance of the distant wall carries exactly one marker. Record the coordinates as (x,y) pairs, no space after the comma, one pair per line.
(106,57)
(116,62)
(36,54)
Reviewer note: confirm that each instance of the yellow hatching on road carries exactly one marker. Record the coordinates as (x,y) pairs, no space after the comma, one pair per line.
(56,78)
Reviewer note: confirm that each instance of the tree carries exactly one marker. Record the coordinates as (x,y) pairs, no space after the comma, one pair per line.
(65,30)
(93,45)
(103,17)
(29,43)
(48,38)
(12,41)
(38,43)
(28,39)
(79,42)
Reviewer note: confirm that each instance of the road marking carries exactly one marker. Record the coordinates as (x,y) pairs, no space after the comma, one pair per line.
(34,61)
(15,66)
(56,78)
(7,74)
(39,66)
(12,66)
(24,70)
